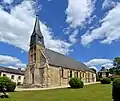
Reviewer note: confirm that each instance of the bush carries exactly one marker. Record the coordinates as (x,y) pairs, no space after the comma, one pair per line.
(111,78)
(105,81)
(76,83)
(116,89)
(6,83)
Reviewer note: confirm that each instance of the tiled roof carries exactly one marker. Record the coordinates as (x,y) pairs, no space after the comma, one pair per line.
(10,70)
(61,60)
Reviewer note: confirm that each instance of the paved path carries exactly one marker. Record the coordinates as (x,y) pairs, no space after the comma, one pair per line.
(27,89)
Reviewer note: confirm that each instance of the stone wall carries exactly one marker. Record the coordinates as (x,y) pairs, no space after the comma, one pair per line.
(53,76)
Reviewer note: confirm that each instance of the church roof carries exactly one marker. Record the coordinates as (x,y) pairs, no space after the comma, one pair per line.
(37,27)
(10,70)
(61,60)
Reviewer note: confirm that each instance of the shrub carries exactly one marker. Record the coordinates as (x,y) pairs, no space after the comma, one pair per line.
(6,83)
(76,83)
(116,89)
(105,81)
(112,78)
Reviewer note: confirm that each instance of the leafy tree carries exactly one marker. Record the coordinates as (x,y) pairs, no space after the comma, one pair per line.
(116,69)
(117,62)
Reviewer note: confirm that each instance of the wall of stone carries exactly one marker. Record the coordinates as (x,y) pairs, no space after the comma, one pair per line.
(53,76)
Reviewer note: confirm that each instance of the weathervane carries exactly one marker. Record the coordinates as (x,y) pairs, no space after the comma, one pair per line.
(36,8)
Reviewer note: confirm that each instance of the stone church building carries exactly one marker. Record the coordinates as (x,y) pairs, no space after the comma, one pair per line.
(47,68)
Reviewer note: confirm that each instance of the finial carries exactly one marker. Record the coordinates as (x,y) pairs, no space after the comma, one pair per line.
(36,8)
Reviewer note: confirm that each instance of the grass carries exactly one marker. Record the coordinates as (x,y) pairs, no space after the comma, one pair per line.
(97,92)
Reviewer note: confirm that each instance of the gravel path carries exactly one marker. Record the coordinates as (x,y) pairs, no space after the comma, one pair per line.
(27,89)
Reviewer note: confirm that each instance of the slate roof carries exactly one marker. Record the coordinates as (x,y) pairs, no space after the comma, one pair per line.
(37,27)
(10,70)
(61,60)
(37,36)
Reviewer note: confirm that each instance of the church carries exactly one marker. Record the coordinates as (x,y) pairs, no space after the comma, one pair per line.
(47,68)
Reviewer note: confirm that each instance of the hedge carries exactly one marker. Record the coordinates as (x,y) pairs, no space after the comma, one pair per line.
(116,89)
(76,83)
(105,81)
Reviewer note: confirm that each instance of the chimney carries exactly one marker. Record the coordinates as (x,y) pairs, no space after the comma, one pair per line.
(19,69)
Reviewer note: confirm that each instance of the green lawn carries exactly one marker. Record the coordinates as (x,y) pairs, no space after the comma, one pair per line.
(97,92)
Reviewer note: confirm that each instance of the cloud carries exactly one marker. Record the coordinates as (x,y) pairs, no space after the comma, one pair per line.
(72,37)
(108,65)
(16,28)
(108,4)
(77,12)
(10,61)
(108,31)
(96,62)
(8,1)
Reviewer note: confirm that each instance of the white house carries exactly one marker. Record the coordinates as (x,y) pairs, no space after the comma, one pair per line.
(16,75)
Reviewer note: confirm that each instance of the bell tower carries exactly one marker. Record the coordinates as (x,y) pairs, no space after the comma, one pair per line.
(36,42)
(37,37)
(36,68)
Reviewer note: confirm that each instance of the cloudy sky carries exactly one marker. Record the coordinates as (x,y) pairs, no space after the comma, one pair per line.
(87,30)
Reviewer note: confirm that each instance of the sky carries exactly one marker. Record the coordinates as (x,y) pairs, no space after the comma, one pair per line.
(86,30)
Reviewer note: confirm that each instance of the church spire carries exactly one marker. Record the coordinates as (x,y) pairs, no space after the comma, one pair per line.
(37,27)
(37,37)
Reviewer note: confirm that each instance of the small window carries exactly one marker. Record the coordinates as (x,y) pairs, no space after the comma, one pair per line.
(77,74)
(19,83)
(62,72)
(34,56)
(19,77)
(80,74)
(83,75)
(70,73)
(4,74)
(12,76)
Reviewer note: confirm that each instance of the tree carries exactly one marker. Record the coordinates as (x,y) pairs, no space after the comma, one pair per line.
(116,62)
(116,69)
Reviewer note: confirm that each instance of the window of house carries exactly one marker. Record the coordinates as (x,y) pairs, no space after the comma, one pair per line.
(4,74)
(12,76)
(62,72)
(19,77)
(71,73)
(19,83)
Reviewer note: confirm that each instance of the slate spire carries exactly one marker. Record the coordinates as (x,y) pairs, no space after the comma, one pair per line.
(37,37)
(37,27)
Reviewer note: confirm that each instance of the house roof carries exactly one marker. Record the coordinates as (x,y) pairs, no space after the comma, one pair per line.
(61,60)
(10,70)
(104,71)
